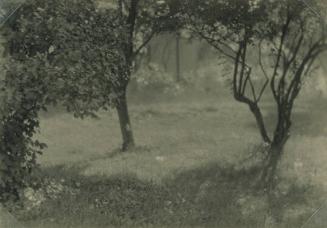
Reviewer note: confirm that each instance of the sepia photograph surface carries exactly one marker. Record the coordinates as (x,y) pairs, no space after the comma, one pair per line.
(163,113)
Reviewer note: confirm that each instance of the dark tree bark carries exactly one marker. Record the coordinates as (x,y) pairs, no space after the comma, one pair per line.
(125,123)
(297,40)
(269,167)
(275,152)
(130,53)
(121,87)
(271,162)
(260,122)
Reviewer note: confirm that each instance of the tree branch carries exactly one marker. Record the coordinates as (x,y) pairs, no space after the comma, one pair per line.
(279,54)
(264,73)
(131,22)
(147,40)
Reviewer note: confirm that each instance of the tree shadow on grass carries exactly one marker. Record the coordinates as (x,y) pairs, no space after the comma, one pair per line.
(208,196)
(117,152)
(307,123)
(230,197)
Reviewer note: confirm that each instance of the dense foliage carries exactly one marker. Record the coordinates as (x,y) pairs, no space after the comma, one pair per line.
(71,53)
(58,51)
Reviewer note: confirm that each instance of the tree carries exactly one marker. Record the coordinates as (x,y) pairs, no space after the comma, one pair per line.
(293,36)
(296,39)
(58,51)
(140,22)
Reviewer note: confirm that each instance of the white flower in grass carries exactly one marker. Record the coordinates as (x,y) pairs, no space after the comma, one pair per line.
(51,49)
(160,158)
(298,165)
(33,198)
(160,2)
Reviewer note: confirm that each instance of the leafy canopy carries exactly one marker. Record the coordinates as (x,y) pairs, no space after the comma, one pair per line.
(57,51)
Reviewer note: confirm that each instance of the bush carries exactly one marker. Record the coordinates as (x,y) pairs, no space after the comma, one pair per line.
(18,150)
(58,51)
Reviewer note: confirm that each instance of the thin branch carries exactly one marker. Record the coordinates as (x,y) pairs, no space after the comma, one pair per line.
(286,67)
(262,90)
(237,87)
(279,54)
(260,60)
(252,87)
(236,65)
(245,83)
(264,73)
(243,56)
(212,42)
(149,38)
(294,86)
(298,45)
(131,21)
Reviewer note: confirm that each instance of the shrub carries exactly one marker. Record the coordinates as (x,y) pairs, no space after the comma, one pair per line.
(58,51)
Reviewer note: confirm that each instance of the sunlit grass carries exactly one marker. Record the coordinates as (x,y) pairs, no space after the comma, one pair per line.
(186,170)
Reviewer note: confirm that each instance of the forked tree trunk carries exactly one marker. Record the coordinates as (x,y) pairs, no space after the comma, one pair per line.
(270,165)
(125,123)
(260,123)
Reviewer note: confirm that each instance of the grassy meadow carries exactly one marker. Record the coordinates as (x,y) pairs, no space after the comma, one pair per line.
(194,166)
(196,163)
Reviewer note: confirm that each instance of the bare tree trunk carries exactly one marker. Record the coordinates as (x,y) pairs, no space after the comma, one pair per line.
(270,166)
(125,124)
(260,123)
(275,153)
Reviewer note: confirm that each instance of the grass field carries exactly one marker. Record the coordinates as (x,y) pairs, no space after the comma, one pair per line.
(188,169)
